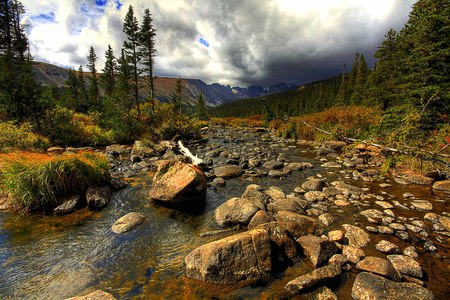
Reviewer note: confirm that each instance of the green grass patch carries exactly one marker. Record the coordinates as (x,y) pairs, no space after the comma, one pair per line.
(37,181)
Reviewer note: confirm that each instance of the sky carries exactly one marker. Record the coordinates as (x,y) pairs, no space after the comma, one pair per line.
(235,42)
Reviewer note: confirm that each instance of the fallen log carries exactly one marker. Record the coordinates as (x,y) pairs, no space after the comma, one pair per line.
(195,160)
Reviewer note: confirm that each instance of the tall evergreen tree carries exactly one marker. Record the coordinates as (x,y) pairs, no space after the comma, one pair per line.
(84,99)
(340,97)
(124,86)
(131,29)
(200,110)
(147,51)
(351,79)
(94,92)
(108,77)
(74,88)
(362,74)
(177,98)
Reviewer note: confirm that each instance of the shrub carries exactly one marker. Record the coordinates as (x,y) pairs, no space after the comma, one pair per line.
(36,181)
(20,137)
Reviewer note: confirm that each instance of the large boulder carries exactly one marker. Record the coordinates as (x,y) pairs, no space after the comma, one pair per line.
(261,217)
(318,250)
(235,211)
(228,171)
(241,258)
(406,265)
(98,197)
(176,182)
(370,286)
(379,266)
(282,244)
(442,185)
(316,277)
(299,225)
(288,204)
(127,222)
(356,236)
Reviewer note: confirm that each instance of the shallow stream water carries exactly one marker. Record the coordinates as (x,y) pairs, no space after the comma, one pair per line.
(56,257)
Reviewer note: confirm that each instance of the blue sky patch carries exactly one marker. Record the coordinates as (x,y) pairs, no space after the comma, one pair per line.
(203,42)
(101,2)
(118,4)
(50,17)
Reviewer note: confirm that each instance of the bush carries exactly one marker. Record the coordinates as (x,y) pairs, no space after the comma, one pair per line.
(37,181)
(20,137)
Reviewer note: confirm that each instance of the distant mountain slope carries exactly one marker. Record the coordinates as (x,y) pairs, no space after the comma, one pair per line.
(215,94)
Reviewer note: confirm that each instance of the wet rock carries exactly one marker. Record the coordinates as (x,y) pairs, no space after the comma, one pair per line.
(298,166)
(387,247)
(411,177)
(432,217)
(411,252)
(397,226)
(299,225)
(347,189)
(322,293)
(97,295)
(275,193)
(370,286)
(69,205)
(283,246)
(371,229)
(372,213)
(313,185)
(261,217)
(235,211)
(177,182)
(384,204)
(141,150)
(287,205)
(316,277)
(276,174)
(406,265)
(356,236)
(380,266)
(342,202)
(429,246)
(241,258)
(442,185)
(228,171)
(219,182)
(325,151)
(117,184)
(317,250)
(98,197)
(403,235)
(413,228)
(336,145)
(331,192)
(331,165)
(135,158)
(127,222)
(353,254)
(338,259)
(336,235)
(273,165)
(314,196)
(117,150)
(422,204)
(445,221)
(327,219)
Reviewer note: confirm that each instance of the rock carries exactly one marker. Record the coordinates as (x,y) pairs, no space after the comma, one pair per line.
(317,250)
(379,266)
(97,295)
(422,204)
(56,149)
(397,226)
(273,165)
(299,225)
(127,222)
(117,184)
(342,202)
(69,205)
(442,185)
(331,164)
(369,286)
(336,145)
(325,151)
(327,219)
(406,265)
(176,182)
(250,192)
(336,235)
(282,244)
(314,196)
(275,193)
(276,174)
(445,221)
(432,217)
(313,185)
(219,182)
(384,204)
(338,259)
(316,277)
(228,171)
(98,197)
(235,211)
(261,217)
(385,230)
(347,189)
(322,293)
(387,247)
(142,151)
(287,205)
(242,258)
(298,166)
(117,150)
(353,254)
(331,192)
(411,252)
(356,236)
(410,177)
(254,163)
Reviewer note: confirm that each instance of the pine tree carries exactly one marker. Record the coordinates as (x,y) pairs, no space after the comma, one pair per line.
(94,93)
(108,77)
(362,74)
(124,86)
(200,111)
(148,52)
(340,97)
(131,29)
(84,99)
(177,98)
(351,79)
(74,88)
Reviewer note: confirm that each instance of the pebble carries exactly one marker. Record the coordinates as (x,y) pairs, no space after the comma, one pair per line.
(411,251)
(387,247)
(397,226)
(385,230)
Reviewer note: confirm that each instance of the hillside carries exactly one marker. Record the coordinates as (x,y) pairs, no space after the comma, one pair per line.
(215,94)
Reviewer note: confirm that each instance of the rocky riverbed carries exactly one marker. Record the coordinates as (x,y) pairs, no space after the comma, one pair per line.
(277,219)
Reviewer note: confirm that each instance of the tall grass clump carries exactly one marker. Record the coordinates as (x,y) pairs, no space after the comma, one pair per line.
(37,181)
(20,137)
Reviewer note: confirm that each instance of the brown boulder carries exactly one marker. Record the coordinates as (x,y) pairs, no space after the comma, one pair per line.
(318,250)
(235,211)
(176,182)
(380,266)
(316,277)
(228,171)
(299,225)
(442,185)
(240,258)
(356,236)
(98,197)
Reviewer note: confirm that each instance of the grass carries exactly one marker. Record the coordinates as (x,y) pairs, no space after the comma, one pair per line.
(37,181)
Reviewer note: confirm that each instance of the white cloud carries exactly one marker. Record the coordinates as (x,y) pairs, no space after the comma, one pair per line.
(250,41)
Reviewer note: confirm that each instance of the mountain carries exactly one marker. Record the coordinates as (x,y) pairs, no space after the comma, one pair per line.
(215,94)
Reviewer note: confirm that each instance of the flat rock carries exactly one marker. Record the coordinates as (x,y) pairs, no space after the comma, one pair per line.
(235,211)
(387,247)
(380,266)
(287,204)
(353,254)
(318,250)
(406,265)
(422,204)
(369,286)
(275,193)
(442,185)
(127,222)
(299,225)
(445,221)
(273,165)
(313,185)
(316,277)
(357,237)
(243,258)
(384,204)
(298,166)
(331,164)
(97,295)
(69,205)
(228,171)
(322,293)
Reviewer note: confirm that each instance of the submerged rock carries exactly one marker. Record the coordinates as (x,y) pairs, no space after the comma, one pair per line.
(69,205)
(370,286)
(235,211)
(98,197)
(176,182)
(316,277)
(127,222)
(240,258)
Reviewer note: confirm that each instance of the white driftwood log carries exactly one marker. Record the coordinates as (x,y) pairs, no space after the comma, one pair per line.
(195,160)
